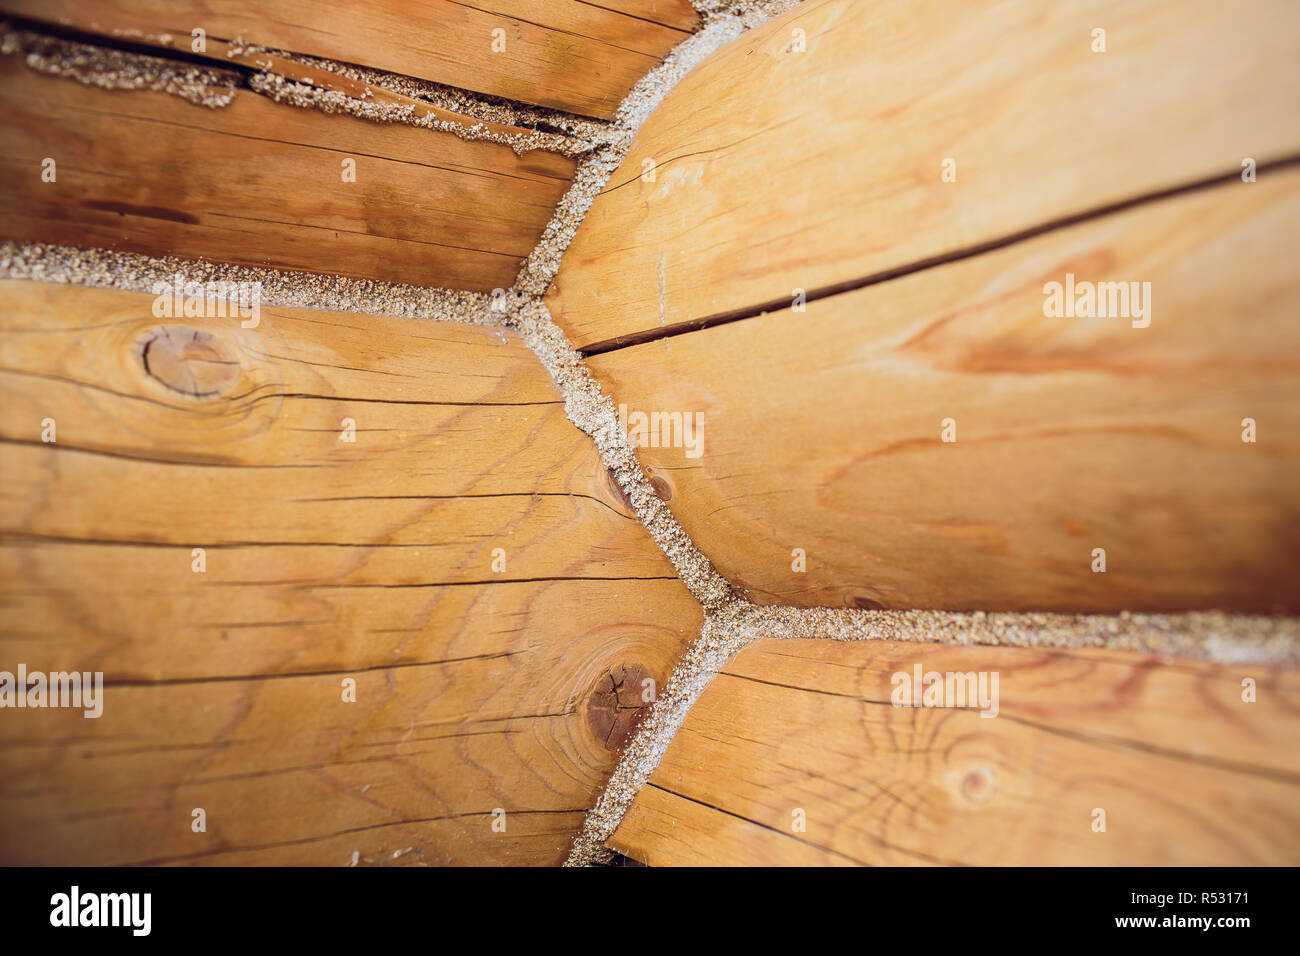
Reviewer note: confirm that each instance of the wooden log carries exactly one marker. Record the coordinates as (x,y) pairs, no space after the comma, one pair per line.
(579,57)
(777,170)
(260,183)
(481,678)
(825,430)
(806,734)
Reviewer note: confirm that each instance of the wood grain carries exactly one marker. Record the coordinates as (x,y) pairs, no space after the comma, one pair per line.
(565,54)
(324,560)
(260,183)
(822,430)
(778,171)
(1186,771)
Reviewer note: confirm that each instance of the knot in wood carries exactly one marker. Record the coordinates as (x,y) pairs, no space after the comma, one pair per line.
(616,704)
(189,361)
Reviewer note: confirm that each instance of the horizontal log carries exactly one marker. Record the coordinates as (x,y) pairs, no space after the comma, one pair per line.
(260,183)
(465,560)
(822,474)
(579,57)
(799,754)
(777,170)
(487,705)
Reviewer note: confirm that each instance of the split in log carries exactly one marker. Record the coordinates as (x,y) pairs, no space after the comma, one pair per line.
(235,530)
(938,441)
(767,170)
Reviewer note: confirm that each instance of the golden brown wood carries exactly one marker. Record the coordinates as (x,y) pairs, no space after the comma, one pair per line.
(823,430)
(260,183)
(574,56)
(777,170)
(1186,771)
(324,560)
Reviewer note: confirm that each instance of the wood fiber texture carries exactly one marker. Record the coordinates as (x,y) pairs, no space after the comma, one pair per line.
(823,430)
(564,54)
(777,171)
(1186,771)
(260,183)
(479,686)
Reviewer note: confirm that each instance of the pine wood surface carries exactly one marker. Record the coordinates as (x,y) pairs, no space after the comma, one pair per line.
(564,54)
(478,686)
(1185,770)
(823,430)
